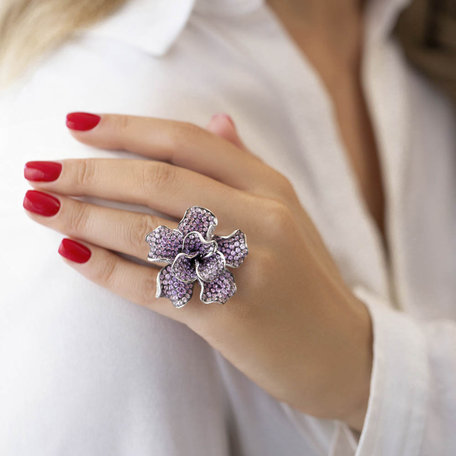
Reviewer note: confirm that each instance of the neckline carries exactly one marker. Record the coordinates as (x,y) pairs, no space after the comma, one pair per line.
(349,190)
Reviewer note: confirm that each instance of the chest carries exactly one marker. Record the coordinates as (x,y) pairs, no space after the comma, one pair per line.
(339,71)
(360,148)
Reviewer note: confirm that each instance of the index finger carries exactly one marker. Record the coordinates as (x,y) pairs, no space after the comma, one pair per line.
(180,143)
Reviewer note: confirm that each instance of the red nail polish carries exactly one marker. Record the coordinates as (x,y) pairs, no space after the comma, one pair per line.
(82,121)
(74,251)
(41,203)
(42,171)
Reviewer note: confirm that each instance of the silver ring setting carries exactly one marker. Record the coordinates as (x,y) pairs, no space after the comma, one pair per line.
(194,253)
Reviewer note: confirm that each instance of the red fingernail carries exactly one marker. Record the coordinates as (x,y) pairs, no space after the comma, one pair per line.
(42,171)
(74,251)
(41,203)
(82,121)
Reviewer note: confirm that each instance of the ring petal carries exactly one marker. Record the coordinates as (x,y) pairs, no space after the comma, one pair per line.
(183,268)
(209,268)
(164,244)
(199,219)
(194,244)
(220,289)
(168,286)
(234,248)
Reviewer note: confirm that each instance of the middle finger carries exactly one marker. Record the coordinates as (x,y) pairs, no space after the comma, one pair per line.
(180,143)
(163,187)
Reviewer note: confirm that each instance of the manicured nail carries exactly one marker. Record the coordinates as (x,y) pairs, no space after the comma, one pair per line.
(82,121)
(74,251)
(41,203)
(42,171)
(226,117)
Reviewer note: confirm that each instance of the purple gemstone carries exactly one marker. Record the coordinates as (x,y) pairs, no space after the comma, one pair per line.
(175,290)
(234,247)
(198,219)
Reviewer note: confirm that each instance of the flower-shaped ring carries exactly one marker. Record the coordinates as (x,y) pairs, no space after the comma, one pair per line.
(193,252)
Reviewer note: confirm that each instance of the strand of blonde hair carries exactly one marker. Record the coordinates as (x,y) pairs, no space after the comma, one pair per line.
(31,28)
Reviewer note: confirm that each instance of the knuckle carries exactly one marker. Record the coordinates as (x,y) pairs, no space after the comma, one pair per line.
(85,172)
(191,129)
(181,133)
(285,186)
(78,219)
(122,122)
(147,291)
(278,217)
(120,127)
(265,262)
(159,176)
(106,272)
(136,233)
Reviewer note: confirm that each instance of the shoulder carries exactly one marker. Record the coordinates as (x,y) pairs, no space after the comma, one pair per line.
(116,64)
(110,67)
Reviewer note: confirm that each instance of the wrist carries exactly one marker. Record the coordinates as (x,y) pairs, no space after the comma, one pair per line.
(344,363)
(361,364)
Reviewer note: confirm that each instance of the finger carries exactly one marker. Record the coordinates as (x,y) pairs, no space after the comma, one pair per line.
(223,125)
(114,229)
(134,282)
(180,143)
(161,186)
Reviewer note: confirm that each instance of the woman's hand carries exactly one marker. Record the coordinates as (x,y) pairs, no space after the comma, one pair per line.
(293,327)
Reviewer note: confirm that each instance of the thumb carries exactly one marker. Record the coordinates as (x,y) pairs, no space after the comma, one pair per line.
(222,125)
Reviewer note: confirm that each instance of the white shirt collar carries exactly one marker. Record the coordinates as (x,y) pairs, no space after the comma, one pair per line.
(153,25)
(227,7)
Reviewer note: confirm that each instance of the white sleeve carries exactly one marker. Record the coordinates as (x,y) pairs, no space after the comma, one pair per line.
(412,404)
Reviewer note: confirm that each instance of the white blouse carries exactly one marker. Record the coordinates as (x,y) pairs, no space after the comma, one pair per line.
(84,372)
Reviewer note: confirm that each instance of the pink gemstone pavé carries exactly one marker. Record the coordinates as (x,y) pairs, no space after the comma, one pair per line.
(193,252)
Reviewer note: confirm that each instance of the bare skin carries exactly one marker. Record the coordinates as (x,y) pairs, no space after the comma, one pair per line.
(330,34)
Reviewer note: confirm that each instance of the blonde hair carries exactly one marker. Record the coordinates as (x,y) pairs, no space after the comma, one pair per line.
(30,28)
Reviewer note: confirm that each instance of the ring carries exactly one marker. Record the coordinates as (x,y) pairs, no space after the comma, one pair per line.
(193,252)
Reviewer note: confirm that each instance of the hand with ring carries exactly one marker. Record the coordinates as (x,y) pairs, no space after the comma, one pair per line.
(278,310)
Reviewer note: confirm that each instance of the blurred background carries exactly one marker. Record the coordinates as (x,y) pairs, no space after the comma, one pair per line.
(427,31)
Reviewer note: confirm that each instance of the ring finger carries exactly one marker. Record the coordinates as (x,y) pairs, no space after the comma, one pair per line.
(114,229)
